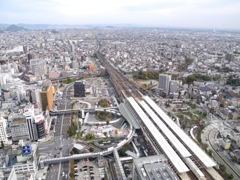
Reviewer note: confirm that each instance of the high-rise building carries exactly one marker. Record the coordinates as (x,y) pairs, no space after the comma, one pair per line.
(229,57)
(35,121)
(46,96)
(33,134)
(79,89)
(39,67)
(152,167)
(3,130)
(164,80)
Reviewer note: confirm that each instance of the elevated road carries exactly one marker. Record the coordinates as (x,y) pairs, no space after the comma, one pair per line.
(69,111)
(88,155)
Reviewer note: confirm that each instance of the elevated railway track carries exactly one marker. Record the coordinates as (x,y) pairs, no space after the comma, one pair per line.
(126,90)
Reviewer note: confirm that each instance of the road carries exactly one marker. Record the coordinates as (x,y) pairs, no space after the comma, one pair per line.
(210,138)
(61,143)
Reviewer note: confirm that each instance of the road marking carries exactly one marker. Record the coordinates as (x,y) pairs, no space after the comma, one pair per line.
(43,148)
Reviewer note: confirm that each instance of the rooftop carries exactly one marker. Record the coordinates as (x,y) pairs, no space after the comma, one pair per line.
(154,168)
(18,120)
(46,85)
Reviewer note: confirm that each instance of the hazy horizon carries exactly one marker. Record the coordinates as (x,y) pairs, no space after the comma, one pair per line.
(206,14)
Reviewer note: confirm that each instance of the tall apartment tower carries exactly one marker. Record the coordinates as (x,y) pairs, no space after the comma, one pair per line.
(164,80)
(229,57)
(79,89)
(3,130)
(46,96)
(39,67)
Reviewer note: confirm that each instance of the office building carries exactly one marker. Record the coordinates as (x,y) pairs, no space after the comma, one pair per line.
(19,128)
(79,89)
(152,167)
(35,121)
(46,96)
(164,80)
(32,128)
(3,130)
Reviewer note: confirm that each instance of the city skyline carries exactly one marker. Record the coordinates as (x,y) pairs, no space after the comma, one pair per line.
(177,14)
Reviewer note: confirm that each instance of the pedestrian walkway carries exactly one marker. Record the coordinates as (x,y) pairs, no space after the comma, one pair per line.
(42,173)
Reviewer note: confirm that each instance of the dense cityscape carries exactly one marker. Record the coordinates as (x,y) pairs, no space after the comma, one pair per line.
(117,103)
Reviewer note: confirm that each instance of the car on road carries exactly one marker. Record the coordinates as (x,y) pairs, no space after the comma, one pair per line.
(60,148)
(63,174)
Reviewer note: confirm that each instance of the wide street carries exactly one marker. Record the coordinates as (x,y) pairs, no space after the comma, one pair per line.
(61,144)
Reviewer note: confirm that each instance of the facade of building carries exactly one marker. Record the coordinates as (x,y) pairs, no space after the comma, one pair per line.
(79,89)
(46,96)
(39,67)
(3,130)
(164,81)
(229,57)
(173,86)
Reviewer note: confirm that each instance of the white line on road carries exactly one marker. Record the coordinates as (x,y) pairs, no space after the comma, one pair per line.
(43,148)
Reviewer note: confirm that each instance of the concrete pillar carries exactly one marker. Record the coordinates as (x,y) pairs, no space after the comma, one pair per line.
(83,114)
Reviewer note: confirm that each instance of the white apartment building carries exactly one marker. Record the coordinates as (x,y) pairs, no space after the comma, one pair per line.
(164,80)
(39,67)
(173,86)
(3,133)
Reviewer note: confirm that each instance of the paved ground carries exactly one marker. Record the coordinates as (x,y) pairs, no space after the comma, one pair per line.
(84,175)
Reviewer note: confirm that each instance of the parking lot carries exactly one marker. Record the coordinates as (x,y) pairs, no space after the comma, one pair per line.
(88,170)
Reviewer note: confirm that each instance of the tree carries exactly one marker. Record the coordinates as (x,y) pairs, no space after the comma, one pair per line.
(91,149)
(72,130)
(222,168)
(107,122)
(71,174)
(105,134)
(116,131)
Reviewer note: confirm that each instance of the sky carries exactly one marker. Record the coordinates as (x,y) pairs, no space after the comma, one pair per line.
(216,14)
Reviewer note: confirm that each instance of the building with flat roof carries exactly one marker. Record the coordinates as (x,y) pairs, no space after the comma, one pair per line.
(153,168)
(79,89)
(46,96)
(19,128)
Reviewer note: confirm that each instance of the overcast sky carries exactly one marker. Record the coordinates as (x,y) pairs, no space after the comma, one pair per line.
(218,14)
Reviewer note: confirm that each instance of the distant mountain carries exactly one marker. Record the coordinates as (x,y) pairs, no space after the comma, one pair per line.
(14,28)
(4,26)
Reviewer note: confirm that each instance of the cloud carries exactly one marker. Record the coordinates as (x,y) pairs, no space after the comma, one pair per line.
(174,13)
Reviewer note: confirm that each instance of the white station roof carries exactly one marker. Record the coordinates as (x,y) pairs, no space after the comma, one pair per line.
(175,142)
(172,155)
(206,160)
